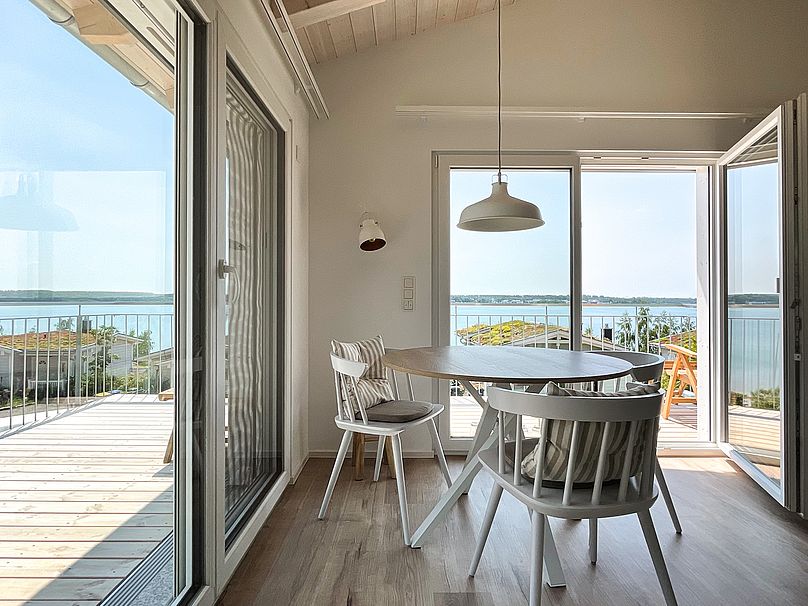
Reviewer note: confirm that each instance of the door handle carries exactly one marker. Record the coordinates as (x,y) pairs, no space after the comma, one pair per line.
(223,269)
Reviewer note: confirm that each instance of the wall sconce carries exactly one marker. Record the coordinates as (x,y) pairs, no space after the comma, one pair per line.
(371,236)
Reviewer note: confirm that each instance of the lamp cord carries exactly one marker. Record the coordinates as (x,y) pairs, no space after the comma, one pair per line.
(499,91)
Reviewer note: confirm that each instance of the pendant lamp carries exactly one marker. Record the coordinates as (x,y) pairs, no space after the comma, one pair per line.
(500,211)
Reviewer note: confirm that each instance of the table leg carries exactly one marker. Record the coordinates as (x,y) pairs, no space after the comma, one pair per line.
(486,425)
(553,572)
(463,482)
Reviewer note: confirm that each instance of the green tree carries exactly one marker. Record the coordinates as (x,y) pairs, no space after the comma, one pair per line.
(639,332)
(146,342)
(65,324)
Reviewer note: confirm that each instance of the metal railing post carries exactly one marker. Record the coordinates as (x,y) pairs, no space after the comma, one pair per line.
(77,364)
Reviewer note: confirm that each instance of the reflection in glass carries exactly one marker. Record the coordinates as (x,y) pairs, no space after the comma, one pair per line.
(753,313)
(87,315)
(253,418)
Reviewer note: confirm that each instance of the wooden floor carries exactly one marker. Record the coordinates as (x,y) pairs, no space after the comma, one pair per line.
(83,499)
(738,548)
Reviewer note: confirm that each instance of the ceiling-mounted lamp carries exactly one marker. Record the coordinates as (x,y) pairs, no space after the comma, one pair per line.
(500,211)
(371,236)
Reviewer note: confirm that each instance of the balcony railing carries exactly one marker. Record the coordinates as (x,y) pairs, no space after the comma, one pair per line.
(754,338)
(603,327)
(50,364)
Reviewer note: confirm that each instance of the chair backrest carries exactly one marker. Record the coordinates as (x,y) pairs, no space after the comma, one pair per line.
(346,377)
(640,411)
(647,366)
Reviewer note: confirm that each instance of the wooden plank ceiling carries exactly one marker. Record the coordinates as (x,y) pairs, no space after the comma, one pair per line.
(328,29)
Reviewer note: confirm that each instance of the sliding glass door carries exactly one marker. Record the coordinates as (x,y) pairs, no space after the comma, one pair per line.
(250,306)
(759,303)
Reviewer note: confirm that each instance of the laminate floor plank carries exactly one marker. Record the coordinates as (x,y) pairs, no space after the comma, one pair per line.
(739,547)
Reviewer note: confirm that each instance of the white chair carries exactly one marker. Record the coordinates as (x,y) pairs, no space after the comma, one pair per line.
(648,368)
(386,420)
(632,495)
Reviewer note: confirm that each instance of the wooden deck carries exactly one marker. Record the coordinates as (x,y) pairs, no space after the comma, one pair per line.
(680,427)
(84,498)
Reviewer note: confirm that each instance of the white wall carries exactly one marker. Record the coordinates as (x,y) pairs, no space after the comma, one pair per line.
(718,55)
(273,80)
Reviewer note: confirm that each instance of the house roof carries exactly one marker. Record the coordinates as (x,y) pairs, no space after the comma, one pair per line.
(55,340)
(328,29)
(44,341)
(526,334)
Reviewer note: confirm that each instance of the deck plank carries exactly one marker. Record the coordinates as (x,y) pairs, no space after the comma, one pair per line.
(84,498)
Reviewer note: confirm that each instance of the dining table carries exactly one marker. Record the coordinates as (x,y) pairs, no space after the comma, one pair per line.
(505,366)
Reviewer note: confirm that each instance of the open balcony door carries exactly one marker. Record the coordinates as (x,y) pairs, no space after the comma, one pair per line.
(760,237)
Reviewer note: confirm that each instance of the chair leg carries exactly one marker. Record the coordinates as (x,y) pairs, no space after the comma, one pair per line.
(398,461)
(593,540)
(655,550)
(444,467)
(388,452)
(332,481)
(359,456)
(536,558)
(485,529)
(379,456)
(666,495)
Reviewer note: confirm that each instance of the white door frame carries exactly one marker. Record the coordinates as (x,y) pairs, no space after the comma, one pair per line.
(781,119)
(611,160)
(230,46)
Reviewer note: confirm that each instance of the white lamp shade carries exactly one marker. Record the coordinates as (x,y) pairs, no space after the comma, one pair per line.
(500,212)
(371,236)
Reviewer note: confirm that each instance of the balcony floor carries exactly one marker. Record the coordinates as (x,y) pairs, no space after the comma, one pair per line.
(84,498)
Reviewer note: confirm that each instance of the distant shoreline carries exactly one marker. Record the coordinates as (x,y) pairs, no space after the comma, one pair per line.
(592,300)
(75,297)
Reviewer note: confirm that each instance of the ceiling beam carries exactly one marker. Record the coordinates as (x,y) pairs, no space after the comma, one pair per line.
(98,26)
(329,10)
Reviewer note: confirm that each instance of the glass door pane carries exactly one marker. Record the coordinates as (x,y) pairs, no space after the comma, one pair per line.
(508,288)
(754,336)
(645,302)
(93,304)
(252,409)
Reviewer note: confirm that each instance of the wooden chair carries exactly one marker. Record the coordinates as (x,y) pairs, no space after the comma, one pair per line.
(682,373)
(376,421)
(647,369)
(632,495)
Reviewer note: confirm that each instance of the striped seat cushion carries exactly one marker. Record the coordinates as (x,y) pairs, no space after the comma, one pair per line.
(373,387)
(559,437)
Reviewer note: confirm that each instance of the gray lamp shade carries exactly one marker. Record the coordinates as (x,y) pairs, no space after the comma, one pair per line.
(500,212)
(371,236)
(28,211)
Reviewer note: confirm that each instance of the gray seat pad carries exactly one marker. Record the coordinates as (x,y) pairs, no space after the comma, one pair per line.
(398,411)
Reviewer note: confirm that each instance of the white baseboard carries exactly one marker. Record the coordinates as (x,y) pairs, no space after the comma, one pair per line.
(296,473)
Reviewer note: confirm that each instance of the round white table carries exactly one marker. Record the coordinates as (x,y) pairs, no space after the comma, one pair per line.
(534,367)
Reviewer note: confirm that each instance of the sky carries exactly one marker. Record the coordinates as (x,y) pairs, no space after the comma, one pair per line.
(92,143)
(632,226)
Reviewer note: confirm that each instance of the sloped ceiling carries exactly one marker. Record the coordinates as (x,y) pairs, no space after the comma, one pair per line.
(329,29)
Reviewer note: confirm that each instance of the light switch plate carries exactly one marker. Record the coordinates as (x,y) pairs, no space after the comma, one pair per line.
(408,293)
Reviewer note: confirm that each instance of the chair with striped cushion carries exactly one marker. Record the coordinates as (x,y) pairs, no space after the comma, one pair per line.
(648,368)
(370,403)
(591,485)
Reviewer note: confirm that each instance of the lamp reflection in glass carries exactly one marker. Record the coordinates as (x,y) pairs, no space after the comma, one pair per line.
(28,210)
(371,236)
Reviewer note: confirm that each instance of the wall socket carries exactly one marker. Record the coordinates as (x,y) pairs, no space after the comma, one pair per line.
(408,293)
